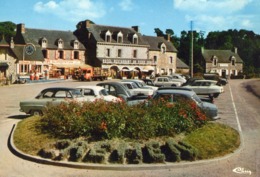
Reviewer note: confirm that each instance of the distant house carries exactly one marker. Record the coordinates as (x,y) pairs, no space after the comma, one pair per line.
(7,62)
(182,67)
(57,52)
(163,54)
(223,62)
(120,51)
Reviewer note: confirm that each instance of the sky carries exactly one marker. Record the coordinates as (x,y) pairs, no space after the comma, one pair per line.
(178,15)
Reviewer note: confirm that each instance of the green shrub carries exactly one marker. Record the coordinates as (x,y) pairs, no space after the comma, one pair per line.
(106,120)
(152,153)
(134,155)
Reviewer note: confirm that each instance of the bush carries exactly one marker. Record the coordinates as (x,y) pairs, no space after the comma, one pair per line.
(107,120)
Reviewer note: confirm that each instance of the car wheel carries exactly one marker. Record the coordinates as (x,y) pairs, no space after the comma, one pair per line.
(36,113)
(216,95)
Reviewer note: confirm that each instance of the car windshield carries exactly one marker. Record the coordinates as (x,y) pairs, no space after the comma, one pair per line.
(76,93)
(103,92)
(196,99)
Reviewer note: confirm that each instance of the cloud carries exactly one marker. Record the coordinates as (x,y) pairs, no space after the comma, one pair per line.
(219,6)
(126,5)
(72,10)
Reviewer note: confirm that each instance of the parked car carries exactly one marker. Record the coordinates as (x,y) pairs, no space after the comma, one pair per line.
(206,87)
(166,81)
(216,77)
(149,82)
(175,76)
(210,109)
(141,84)
(54,95)
(135,90)
(119,90)
(92,93)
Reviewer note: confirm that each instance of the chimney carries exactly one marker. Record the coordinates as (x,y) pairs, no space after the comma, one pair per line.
(20,28)
(87,24)
(235,50)
(168,37)
(136,28)
(12,43)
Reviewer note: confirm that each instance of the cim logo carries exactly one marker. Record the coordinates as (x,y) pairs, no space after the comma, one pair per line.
(241,170)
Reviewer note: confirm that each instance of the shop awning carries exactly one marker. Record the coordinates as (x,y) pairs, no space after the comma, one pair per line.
(148,68)
(64,65)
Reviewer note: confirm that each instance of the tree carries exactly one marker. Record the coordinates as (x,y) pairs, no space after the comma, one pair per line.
(7,30)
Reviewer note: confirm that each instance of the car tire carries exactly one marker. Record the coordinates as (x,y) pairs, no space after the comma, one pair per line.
(36,113)
(215,95)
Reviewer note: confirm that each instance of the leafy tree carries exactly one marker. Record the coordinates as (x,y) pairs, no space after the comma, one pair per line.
(7,30)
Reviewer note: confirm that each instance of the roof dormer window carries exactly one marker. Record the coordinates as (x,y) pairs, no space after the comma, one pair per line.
(76,44)
(44,43)
(163,48)
(60,43)
(233,61)
(120,37)
(214,61)
(108,36)
(135,39)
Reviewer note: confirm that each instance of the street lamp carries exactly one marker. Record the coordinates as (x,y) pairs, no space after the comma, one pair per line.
(29,49)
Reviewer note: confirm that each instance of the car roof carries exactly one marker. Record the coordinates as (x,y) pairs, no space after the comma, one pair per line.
(91,87)
(58,88)
(173,91)
(174,88)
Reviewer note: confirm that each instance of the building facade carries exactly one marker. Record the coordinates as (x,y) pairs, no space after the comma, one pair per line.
(55,53)
(122,52)
(224,62)
(163,54)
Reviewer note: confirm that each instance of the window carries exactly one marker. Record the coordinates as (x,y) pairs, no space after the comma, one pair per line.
(155,59)
(119,53)
(61,54)
(108,36)
(135,54)
(163,48)
(135,39)
(170,60)
(60,43)
(44,43)
(45,53)
(233,62)
(76,55)
(215,61)
(76,44)
(108,53)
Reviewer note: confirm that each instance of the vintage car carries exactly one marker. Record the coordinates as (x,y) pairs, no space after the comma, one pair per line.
(92,93)
(141,84)
(119,90)
(210,109)
(166,82)
(135,90)
(206,87)
(54,95)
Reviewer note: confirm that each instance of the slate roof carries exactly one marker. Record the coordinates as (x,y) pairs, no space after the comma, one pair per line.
(36,56)
(35,35)
(223,56)
(3,43)
(155,43)
(181,64)
(99,31)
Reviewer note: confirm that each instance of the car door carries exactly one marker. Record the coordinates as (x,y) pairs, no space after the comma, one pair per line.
(196,86)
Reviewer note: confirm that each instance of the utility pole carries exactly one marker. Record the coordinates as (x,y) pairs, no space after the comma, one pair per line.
(191,51)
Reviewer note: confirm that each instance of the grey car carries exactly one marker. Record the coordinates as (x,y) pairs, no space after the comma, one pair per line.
(54,95)
(210,109)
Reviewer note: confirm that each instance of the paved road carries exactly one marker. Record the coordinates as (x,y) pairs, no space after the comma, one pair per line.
(238,108)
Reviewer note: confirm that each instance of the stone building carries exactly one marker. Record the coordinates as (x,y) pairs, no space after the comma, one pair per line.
(121,51)
(163,54)
(223,62)
(52,52)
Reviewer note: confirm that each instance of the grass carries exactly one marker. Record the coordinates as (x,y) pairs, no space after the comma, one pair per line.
(29,139)
(212,140)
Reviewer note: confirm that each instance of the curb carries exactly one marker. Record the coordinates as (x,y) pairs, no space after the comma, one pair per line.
(123,167)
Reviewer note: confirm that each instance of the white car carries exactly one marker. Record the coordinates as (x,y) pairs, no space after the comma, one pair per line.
(205,87)
(92,93)
(141,84)
(178,77)
(135,90)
